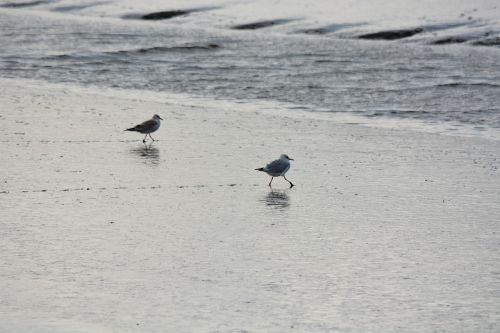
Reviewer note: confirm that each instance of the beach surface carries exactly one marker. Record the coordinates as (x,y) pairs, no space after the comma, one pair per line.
(386,230)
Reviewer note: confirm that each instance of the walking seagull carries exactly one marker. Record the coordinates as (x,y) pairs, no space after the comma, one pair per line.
(278,168)
(147,127)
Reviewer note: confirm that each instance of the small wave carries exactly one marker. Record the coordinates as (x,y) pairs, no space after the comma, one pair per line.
(260,24)
(396,112)
(494,41)
(160,49)
(336,61)
(58,56)
(328,29)
(449,40)
(443,85)
(25,4)
(154,49)
(168,14)
(392,34)
(78,7)
(465,84)
(63,56)
(165,15)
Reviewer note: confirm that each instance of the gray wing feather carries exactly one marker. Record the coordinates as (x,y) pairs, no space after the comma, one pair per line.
(277,166)
(150,125)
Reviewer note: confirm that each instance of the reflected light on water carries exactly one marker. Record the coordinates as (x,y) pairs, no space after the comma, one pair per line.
(277,199)
(147,154)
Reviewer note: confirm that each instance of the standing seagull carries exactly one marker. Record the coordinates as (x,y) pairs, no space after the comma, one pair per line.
(278,168)
(147,127)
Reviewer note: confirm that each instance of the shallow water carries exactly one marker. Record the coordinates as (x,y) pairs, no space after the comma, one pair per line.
(385,231)
(438,85)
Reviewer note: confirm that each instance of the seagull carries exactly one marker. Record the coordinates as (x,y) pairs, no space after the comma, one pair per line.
(278,168)
(147,127)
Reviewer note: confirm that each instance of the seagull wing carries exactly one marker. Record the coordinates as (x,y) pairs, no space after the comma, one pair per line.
(148,124)
(146,127)
(277,166)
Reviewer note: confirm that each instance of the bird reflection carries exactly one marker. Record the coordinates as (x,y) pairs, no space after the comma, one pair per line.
(147,153)
(277,199)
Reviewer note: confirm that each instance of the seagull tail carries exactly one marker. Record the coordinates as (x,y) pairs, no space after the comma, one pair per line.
(131,129)
(260,169)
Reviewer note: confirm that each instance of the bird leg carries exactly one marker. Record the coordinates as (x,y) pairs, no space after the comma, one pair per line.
(144,140)
(151,137)
(291,184)
(271,181)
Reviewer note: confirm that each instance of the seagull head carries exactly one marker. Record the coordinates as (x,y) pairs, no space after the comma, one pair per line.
(285,157)
(157,117)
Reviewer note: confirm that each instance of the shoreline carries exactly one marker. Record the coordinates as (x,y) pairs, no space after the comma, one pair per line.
(275,108)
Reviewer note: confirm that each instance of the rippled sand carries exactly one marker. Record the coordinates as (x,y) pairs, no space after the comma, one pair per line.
(385,230)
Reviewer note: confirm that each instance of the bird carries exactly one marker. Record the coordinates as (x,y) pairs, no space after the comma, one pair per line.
(147,127)
(278,168)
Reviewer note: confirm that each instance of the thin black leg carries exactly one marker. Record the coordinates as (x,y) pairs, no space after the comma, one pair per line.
(144,140)
(271,181)
(151,137)
(291,184)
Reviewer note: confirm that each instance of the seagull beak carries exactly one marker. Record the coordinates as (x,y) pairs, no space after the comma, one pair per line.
(160,118)
(291,159)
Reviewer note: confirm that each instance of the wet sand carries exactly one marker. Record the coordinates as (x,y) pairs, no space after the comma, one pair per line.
(385,231)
